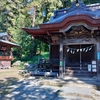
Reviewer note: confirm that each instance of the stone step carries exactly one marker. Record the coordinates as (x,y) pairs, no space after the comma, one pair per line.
(76,68)
(80,75)
(71,98)
(78,71)
(75,93)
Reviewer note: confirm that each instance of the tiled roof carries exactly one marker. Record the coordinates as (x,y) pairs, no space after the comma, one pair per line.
(92,10)
(4,41)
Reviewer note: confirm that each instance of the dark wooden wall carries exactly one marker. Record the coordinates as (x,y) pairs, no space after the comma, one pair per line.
(54,52)
(54,57)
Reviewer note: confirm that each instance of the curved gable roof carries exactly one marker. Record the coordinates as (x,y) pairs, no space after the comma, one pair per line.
(63,18)
(91,11)
(89,15)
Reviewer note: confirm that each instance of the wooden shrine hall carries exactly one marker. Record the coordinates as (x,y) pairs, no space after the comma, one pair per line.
(74,37)
(6,56)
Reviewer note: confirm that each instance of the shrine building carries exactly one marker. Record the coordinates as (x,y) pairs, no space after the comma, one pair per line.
(74,37)
(6,43)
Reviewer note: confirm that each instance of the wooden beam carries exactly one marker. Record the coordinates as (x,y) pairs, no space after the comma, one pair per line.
(92,31)
(98,28)
(78,41)
(61,62)
(48,33)
(98,60)
(54,41)
(64,35)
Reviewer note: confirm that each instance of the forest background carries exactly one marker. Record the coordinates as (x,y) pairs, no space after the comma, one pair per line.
(15,14)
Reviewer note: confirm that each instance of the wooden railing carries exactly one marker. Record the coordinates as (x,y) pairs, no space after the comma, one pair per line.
(7,58)
(47,65)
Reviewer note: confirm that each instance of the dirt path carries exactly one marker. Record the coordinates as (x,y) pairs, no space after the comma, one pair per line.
(8,77)
(10,73)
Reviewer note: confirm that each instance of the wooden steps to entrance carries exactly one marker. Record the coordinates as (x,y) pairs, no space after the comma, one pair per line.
(76,68)
(78,72)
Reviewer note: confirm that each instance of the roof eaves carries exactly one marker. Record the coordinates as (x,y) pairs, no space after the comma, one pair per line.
(10,43)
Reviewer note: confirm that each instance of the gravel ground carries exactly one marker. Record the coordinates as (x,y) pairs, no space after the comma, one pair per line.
(16,87)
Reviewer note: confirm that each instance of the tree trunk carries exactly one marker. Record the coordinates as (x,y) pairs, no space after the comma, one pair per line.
(32,38)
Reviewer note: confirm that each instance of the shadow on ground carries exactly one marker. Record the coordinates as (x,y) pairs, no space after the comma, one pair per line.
(42,88)
(28,89)
(4,85)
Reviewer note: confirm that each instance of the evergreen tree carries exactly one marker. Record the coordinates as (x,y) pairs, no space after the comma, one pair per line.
(13,17)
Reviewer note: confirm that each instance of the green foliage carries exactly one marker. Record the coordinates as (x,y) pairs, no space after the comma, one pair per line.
(14,17)
(33,59)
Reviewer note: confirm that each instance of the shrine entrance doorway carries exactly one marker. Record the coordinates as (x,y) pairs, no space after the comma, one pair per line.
(78,57)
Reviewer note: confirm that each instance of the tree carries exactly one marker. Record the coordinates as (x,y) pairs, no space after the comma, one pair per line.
(14,16)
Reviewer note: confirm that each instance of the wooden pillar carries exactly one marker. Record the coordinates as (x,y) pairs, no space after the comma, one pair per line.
(98,60)
(49,51)
(11,53)
(61,62)
(50,58)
